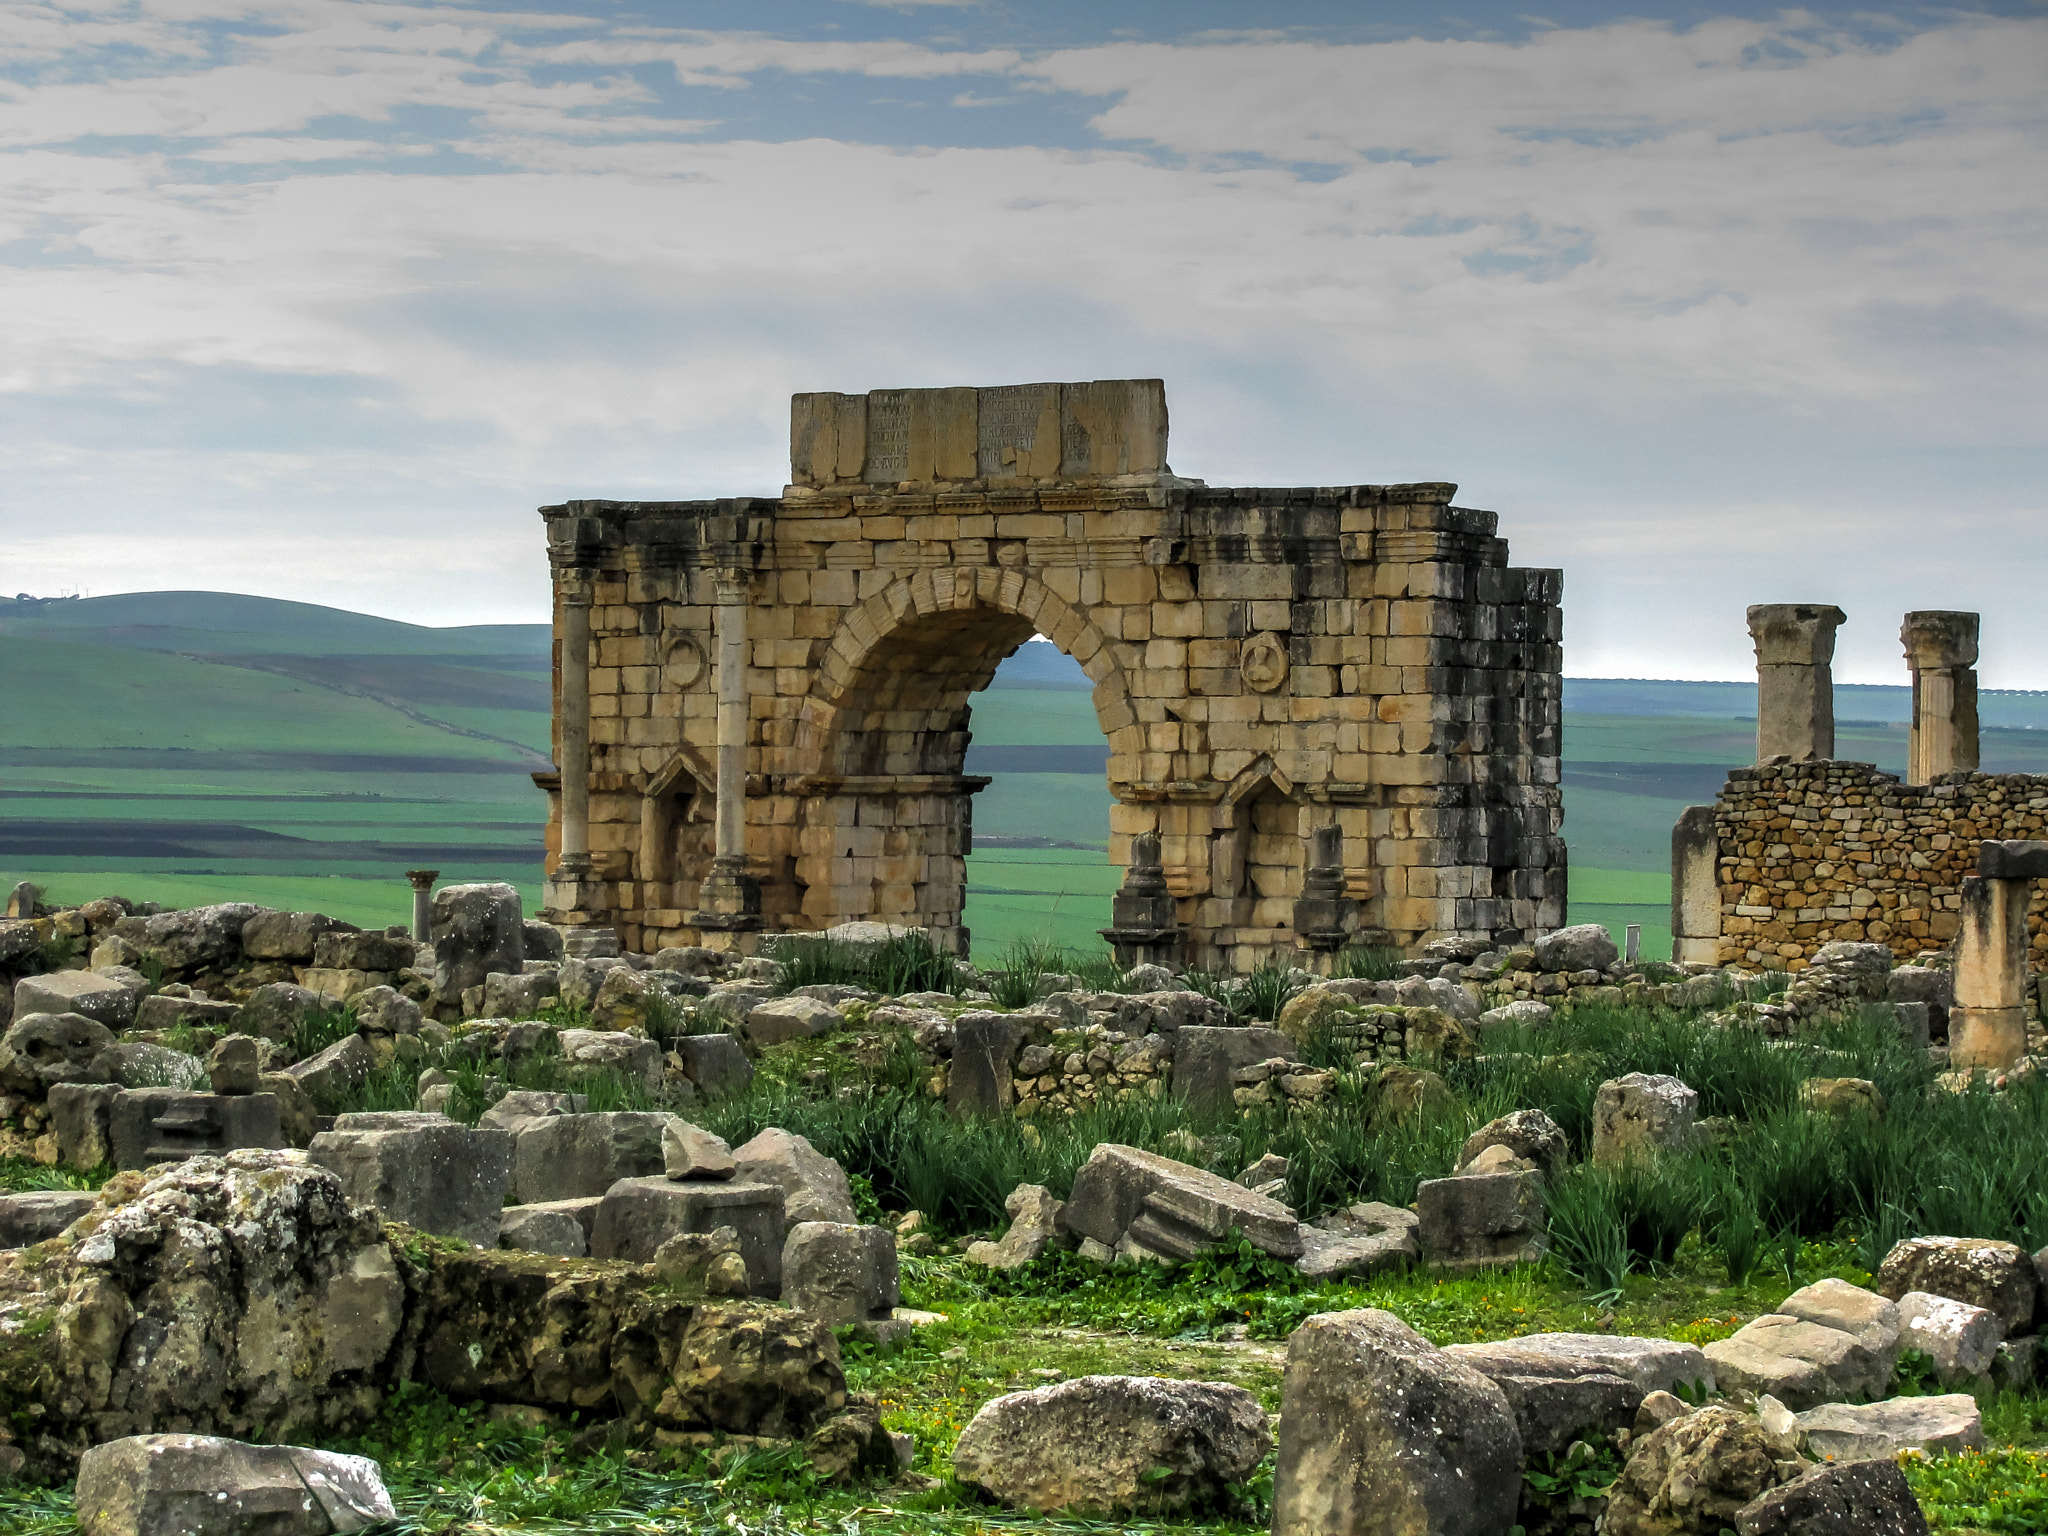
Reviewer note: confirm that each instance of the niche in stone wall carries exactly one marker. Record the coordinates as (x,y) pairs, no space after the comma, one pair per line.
(677,812)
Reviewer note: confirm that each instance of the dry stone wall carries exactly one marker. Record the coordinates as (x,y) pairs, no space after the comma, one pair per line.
(1815,853)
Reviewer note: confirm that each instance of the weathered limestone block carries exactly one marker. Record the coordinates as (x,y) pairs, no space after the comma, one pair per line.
(814,1188)
(1857,1498)
(147,1126)
(1381,1431)
(1960,1339)
(41,1050)
(98,998)
(37,1215)
(569,1157)
(1689,1477)
(1800,1363)
(1204,1059)
(1108,1445)
(199,1485)
(842,1273)
(637,1216)
(2000,1277)
(1943,1425)
(477,929)
(289,935)
(1642,1114)
(1034,1227)
(1481,1221)
(425,1170)
(1171,1210)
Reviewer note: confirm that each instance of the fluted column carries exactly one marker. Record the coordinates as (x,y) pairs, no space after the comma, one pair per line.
(1941,648)
(730,897)
(568,887)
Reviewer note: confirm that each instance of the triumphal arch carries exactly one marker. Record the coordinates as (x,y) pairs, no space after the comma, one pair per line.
(1332,712)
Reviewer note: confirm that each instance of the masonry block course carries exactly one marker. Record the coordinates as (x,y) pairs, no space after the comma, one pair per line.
(1267,661)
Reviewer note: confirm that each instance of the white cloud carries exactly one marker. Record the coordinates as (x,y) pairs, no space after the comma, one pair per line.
(1631,281)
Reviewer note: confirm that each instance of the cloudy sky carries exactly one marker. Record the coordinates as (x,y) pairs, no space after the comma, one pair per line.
(320,298)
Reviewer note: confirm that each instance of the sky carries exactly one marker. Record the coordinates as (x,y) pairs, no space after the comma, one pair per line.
(1714,305)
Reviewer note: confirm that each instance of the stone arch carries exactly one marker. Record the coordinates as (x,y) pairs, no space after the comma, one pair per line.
(879,743)
(860,648)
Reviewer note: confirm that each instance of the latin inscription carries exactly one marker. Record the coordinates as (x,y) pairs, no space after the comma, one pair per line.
(1009,425)
(888,459)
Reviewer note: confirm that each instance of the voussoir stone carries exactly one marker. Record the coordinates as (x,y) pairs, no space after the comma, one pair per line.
(1384,1434)
(1112,1445)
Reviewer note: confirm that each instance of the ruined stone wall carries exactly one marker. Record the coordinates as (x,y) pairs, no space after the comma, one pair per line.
(1265,661)
(1809,853)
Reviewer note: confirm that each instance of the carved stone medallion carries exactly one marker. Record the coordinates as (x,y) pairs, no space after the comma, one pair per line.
(1263,663)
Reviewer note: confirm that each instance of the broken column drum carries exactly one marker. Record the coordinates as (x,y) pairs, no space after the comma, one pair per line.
(762,704)
(1988,1024)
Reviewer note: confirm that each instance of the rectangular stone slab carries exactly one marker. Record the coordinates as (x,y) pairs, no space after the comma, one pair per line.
(1117,1183)
(637,1216)
(2012,859)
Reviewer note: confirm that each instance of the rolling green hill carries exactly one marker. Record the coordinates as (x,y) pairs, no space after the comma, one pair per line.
(196,746)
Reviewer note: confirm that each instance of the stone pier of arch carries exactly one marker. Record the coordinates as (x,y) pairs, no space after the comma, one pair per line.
(1333,711)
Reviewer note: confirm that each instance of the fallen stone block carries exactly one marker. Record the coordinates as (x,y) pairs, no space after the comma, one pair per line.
(1689,1477)
(99,998)
(341,1066)
(716,1065)
(235,1065)
(1171,1209)
(1654,1365)
(1960,1339)
(275,1010)
(138,1064)
(192,939)
(1870,1318)
(1205,1057)
(1998,1277)
(425,1170)
(1935,1426)
(843,1274)
(146,1126)
(476,929)
(1532,1136)
(41,1050)
(1365,1239)
(637,1216)
(1034,1227)
(37,1215)
(1377,1425)
(1641,1115)
(1582,947)
(1110,1445)
(588,1051)
(198,1485)
(517,997)
(981,1081)
(1556,1401)
(814,1187)
(1801,1364)
(526,1106)
(568,1157)
(1861,1498)
(784,1019)
(79,1115)
(548,1228)
(689,1152)
(1481,1221)
(288,935)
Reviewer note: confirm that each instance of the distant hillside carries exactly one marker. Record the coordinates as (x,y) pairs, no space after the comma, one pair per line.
(231,621)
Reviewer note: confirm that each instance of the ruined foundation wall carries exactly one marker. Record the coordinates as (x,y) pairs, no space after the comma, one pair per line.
(1809,853)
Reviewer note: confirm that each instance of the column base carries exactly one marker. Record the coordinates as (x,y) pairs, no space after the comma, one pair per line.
(1992,1038)
(729,899)
(1145,946)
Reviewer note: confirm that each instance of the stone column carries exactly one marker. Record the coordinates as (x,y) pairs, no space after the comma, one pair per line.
(422,902)
(1987,1027)
(1795,685)
(730,898)
(568,889)
(1323,913)
(1696,887)
(1144,922)
(1941,648)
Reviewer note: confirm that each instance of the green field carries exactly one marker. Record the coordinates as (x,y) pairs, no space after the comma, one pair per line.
(184,747)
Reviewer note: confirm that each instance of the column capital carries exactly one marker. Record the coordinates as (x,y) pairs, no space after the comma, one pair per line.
(1794,634)
(734,585)
(1939,640)
(576,587)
